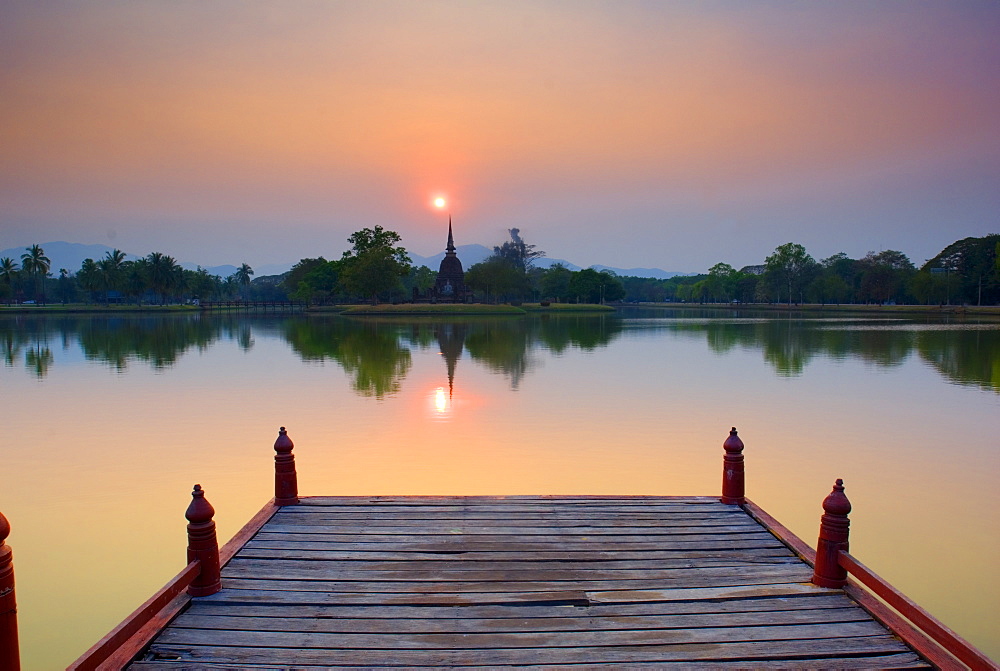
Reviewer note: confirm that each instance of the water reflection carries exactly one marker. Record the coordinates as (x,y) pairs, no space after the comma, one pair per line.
(367,349)
(376,352)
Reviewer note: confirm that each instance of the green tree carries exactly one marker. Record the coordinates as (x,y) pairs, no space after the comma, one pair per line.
(375,264)
(89,277)
(885,275)
(790,267)
(163,275)
(8,275)
(291,280)
(319,284)
(497,279)
(242,277)
(137,279)
(721,282)
(976,264)
(590,286)
(420,278)
(516,252)
(112,271)
(36,265)
(200,285)
(555,282)
(66,286)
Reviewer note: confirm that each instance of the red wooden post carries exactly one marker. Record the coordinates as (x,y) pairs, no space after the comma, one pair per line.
(834,528)
(286,485)
(203,545)
(733,490)
(10,657)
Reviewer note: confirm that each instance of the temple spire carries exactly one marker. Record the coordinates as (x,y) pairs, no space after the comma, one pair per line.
(451,241)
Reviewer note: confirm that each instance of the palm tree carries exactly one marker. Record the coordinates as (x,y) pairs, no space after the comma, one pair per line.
(112,267)
(163,273)
(242,276)
(36,264)
(89,277)
(8,273)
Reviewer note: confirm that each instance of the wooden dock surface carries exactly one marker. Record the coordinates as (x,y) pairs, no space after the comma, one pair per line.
(588,582)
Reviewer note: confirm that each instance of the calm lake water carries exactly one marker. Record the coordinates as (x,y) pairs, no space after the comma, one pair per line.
(111,420)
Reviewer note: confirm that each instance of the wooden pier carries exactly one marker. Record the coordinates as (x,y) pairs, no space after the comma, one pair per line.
(586,582)
(476,581)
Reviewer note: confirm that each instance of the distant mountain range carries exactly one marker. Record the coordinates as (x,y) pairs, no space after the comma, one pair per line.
(70,255)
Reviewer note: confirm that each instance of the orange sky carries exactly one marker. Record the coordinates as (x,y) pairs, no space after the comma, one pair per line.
(669,135)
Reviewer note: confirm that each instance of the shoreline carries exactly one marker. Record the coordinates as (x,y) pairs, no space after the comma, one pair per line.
(416,309)
(968,310)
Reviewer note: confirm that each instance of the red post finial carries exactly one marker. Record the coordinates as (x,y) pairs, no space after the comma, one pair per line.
(286,485)
(203,545)
(733,487)
(834,530)
(10,656)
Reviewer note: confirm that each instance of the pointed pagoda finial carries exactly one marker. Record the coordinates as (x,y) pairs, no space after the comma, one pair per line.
(451,240)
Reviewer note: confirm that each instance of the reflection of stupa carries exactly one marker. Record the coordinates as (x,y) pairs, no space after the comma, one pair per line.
(450,282)
(451,340)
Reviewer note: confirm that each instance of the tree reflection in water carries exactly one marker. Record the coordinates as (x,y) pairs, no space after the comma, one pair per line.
(376,351)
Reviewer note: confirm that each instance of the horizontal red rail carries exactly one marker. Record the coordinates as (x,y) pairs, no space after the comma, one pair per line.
(116,638)
(940,652)
(948,639)
(129,638)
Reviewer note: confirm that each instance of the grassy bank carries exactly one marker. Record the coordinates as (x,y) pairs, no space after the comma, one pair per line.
(80,308)
(437,309)
(567,307)
(971,310)
(444,309)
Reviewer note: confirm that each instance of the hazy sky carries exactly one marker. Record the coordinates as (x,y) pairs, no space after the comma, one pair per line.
(657,134)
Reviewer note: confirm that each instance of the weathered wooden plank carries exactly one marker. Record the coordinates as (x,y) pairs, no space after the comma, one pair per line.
(749,652)
(623,527)
(244,591)
(688,579)
(835,600)
(528,507)
(507,517)
(330,571)
(334,552)
(521,544)
(513,563)
(494,641)
(906,660)
(588,499)
(197,620)
(231,603)
(389,534)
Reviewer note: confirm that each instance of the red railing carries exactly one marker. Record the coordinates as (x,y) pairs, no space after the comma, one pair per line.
(938,632)
(200,577)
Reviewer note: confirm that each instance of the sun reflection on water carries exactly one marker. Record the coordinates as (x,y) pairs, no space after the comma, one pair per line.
(441,403)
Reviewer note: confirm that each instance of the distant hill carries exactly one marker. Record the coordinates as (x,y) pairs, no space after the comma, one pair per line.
(70,255)
(468,254)
(640,272)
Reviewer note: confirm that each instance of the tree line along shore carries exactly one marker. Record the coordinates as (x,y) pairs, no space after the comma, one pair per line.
(376,269)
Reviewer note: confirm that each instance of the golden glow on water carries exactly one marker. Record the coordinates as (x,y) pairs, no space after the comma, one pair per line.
(99,464)
(441,402)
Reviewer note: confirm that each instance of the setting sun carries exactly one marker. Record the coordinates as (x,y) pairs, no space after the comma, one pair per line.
(439,202)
